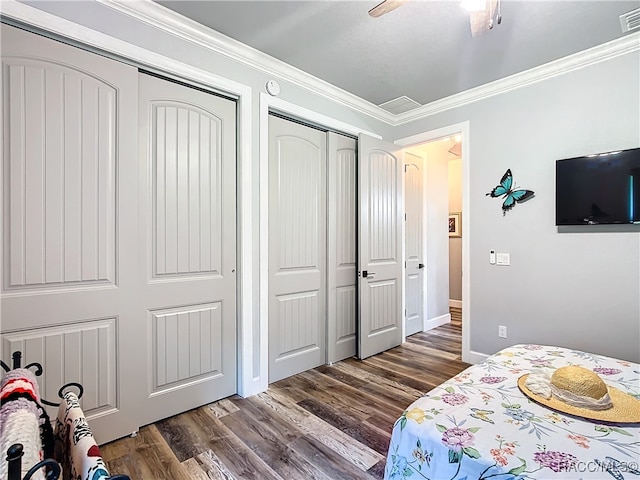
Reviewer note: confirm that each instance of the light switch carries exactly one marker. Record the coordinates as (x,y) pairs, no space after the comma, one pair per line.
(503,259)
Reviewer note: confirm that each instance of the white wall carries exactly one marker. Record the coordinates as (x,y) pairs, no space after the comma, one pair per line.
(455,243)
(436,215)
(578,290)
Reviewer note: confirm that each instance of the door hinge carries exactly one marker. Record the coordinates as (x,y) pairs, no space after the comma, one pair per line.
(405,167)
(405,312)
(405,217)
(405,264)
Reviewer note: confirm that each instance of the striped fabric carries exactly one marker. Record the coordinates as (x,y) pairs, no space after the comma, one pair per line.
(76,449)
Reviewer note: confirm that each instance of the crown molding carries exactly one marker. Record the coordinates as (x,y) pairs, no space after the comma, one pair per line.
(166,20)
(182,27)
(174,23)
(615,48)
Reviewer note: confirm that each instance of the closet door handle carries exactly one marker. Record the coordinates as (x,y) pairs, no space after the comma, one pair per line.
(366,274)
(421,265)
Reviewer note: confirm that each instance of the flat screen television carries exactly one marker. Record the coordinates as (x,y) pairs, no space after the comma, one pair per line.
(598,189)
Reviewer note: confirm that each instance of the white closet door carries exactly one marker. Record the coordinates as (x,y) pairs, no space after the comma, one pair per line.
(187,249)
(380,167)
(341,228)
(69,218)
(414,242)
(297,248)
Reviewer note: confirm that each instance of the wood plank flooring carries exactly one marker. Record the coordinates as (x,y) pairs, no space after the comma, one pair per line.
(456,316)
(332,423)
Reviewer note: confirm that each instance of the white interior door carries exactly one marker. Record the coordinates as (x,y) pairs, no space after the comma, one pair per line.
(297,248)
(342,259)
(70,225)
(414,243)
(187,249)
(380,168)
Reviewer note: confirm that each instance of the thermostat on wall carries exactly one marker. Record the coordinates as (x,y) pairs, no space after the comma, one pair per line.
(273,88)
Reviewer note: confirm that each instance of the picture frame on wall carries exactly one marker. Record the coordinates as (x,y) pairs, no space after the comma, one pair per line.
(455,225)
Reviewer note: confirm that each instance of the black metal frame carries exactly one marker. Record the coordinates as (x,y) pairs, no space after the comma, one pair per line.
(16,451)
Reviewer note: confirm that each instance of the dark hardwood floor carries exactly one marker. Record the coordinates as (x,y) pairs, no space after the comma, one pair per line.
(333,422)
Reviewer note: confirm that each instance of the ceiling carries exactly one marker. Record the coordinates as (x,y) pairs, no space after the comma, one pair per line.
(423,50)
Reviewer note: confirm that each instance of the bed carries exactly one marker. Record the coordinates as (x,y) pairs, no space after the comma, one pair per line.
(479,425)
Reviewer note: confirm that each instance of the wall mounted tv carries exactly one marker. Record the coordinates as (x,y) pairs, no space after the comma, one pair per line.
(598,189)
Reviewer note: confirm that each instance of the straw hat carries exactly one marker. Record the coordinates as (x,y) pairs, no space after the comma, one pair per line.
(580,392)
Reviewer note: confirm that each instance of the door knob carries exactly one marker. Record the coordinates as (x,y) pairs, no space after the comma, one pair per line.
(421,265)
(366,274)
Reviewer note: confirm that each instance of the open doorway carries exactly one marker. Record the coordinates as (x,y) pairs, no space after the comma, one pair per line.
(453,147)
(439,217)
(446,226)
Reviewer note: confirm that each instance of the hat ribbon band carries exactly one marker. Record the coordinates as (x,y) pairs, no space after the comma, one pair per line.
(580,401)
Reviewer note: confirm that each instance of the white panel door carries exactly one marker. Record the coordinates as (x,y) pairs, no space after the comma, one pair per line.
(69,181)
(297,248)
(341,246)
(380,168)
(414,243)
(187,260)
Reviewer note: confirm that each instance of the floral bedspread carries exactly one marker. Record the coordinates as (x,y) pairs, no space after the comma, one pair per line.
(478,425)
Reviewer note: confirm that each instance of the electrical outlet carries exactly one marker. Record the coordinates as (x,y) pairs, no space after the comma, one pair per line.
(502,331)
(503,259)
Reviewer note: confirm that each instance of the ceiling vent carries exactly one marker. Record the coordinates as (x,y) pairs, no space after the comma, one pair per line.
(630,21)
(400,105)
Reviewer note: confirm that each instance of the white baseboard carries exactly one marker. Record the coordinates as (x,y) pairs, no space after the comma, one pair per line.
(455,303)
(437,321)
(477,357)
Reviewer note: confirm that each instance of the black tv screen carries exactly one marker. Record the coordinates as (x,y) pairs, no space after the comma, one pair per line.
(599,189)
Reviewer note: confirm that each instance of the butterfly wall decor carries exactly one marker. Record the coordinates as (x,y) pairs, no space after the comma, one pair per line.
(510,196)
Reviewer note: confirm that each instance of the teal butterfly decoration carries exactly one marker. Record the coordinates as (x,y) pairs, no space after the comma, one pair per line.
(511,197)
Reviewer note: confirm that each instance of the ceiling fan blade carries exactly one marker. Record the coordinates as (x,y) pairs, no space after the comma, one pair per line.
(385,7)
(481,21)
